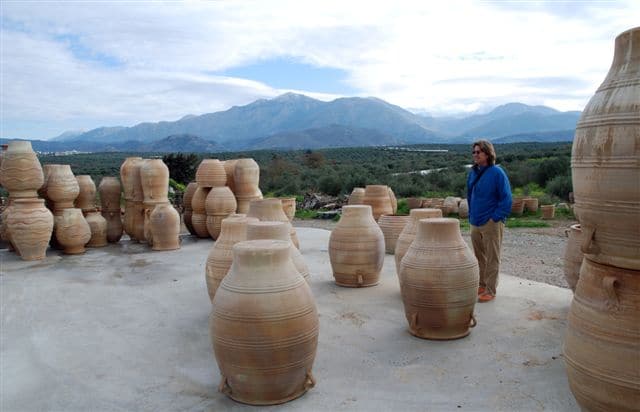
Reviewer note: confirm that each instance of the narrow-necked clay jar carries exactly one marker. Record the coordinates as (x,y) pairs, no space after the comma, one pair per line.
(130,177)
(72,231)
(278,231)
(246,176)
(30,225)
(356,196)
(154,177)
(98,227)
(377,196)
(211,173)
(392,226)
(219,204)
(109,190)
(186,204)
(356,248)
(62,186)
(439,278)
(264,326)
(199,214)
(21,172)
(86,199)
(408,234)
(165,227)
(271,210)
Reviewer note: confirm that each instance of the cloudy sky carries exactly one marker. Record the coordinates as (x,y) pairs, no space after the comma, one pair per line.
(85,64)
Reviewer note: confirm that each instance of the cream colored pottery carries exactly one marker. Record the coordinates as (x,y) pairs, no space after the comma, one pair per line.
(137,221)
(245,201)
(356,248)
(148,235)
(62,186)
(114,225)
(42,192)
(439,278)
(278,231)
(130,178)
(86,199)
(357,194)
(289,207)
(408,234)
(98,227)
(4,230)
(21,173)
(165,227)
(154,177)
(573,256)
(264,326)
(246,176)
(392,226)
(210,173)
(234,230)
(451,204)
(271,210)
(548,211)
(219,203)
(30,225)
(463,209)
(377,196)
(229,167)
(72,231)
(109,190)
(199,214)
(186,204)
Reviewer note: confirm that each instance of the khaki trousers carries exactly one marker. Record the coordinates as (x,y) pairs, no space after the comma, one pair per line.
(487,241)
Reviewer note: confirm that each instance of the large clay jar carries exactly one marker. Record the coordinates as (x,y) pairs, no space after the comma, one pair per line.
(264,326)
(439,278)
(602,344)
(229,167)
(548,211)
(165,227)
(246,176)
(357,194)
(289,207)
(356,248)
(199,213)
(98,227)
(187,198)
(86,199)
(219,204)
(531,204)
(137,221)
(130,177)
(451,204)
(109,190)
(154,177)
(21,172)
(377,196)
(129,217)
(573,256)
(210,173)
(394,201)
(463,209)
(392,226)
(234,230)
(278,231)
(408,234)
(604,161)
(114,225)
(62,186)
(42,192)
(30,225)
(271,210)
(72,231)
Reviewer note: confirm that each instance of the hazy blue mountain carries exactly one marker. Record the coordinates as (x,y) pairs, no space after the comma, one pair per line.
(552,136)
(68,135)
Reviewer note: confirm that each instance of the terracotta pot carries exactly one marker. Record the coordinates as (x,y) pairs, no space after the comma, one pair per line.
(114,225)
(127,220)
(21,172)
(548,211)
(211,173)
(130,178)
(408,234)
(186,203)
(246,176)
(271,210)
(137,221)
(264,326)
(602,343)
(573,256)
(199,214)
(72,231)
(289,207)
(392,226)
(451,204)
(109,190)
(245,201)
(62,186)
(4,230)
(531,204)
(377,196)
(86,199)
(463,209)
(439,278)
(148,234)
(426,203)
(394,201)
(229,167)
(98,227)
(219,203)
(357,194)
(154,177)
(30,225)
(165,227)
(234,230)
(517,206)
(42,192)
(278,231)
(356,248)
(414,202)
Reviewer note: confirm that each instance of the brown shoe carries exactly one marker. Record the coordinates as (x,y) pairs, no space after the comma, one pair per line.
(481,290)
(486,297)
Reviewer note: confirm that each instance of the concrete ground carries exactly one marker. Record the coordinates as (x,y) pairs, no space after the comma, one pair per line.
(123,328)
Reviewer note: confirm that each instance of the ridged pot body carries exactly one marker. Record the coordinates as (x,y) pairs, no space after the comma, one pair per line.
(271,210)
(377,196)
(4,230)
(211,173)
(42,192)
(602,344)
(199,213)
(109,190)
(130,178)
(439,278)
(229,167)
(30,225)
(289,207)
(573,256)
(72,231)
(414,202)
(264,326)
(134,216)
(98,227)
(165,227)
(21,172)
(605,162)
(114,225)
(548,211)
(392,226)
(517,206)
(62,186)
(246,176)
(154,177)
(356,197)
(219,203)
(86,199)
(356,248)
(463,209)
(408,234)
(234,230)
(531,204)
(188,209)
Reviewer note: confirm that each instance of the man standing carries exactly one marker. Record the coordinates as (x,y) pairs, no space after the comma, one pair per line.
(489,197)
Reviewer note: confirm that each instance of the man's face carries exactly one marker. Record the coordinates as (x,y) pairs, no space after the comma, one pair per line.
(479,157)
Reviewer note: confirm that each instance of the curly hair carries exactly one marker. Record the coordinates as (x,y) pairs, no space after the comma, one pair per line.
(487,148)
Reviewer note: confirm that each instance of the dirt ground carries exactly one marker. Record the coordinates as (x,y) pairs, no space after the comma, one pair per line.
(530,253)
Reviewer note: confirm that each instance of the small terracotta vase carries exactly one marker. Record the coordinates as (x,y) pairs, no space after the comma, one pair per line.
(109,190)
(246,176)
(211,173)
(219,203)
(98,227)
(130,178)
(229,167)
(392,226)
(408,234)
(278,231)
(30,225)
(439,278)
(264,326)
(21,173)
(234,230)
(154,177)
(463,209)
(72,231)
(199,214)
(377,196)
(531,204)
(165,227)
(186,203)
(573,256)
(548,211)
(271,210)
(517,206)
(86,199)
(356,196)
(114,225)
(62,186)
(356,248)
(289,207)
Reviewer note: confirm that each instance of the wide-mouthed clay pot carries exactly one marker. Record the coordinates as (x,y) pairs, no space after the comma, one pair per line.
(377,196)
(30,225)
(72,231)
(392,226)
(86,199)
(289,207)
(186,204)
(357,194)
(62,186)
(219,204)
(165,227)
(98,227)
(21,173)
(130,178)
(211,173)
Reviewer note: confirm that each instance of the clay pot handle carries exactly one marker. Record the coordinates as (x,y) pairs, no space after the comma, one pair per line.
(609,284)
(224,386)
(472,321)
(587,246)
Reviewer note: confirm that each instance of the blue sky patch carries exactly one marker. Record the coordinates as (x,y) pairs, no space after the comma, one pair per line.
(83,53)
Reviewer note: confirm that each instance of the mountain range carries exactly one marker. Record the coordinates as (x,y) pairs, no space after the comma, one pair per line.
(294,121)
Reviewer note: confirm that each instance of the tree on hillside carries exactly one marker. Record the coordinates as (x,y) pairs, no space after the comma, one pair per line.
(182,168)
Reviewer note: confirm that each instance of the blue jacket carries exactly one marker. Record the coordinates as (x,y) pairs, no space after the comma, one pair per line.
(491,196)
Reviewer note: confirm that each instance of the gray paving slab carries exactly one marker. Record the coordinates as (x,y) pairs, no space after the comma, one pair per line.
(123,328)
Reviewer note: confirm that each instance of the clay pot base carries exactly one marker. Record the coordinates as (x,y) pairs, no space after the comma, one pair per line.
(356,285)
(426,334)
(309,383)
(74,250)
(355,281)
(164,248)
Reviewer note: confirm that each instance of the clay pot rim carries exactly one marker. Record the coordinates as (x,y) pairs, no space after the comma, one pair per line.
(28,200)
(440,221)
(261,247)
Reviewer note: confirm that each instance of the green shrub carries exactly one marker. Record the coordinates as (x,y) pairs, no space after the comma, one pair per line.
(560,186)
(403,207)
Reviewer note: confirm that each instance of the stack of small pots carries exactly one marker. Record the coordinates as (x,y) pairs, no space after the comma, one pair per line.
(86,201)
(246,177)
(603,335)
(109,189)
(161,220)
(270,210)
